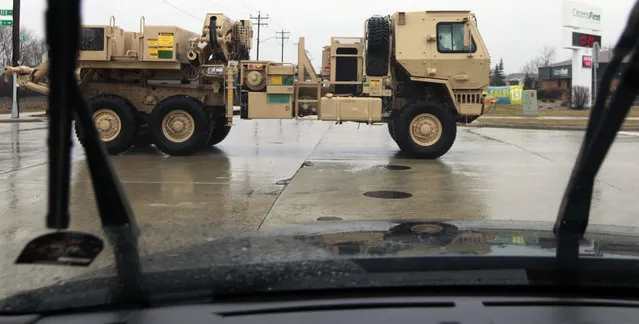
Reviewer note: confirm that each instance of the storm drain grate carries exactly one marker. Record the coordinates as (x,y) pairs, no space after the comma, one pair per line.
(388,194)
(393,167)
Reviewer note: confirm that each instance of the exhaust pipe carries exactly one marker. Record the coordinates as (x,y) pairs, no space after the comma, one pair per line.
(213,32)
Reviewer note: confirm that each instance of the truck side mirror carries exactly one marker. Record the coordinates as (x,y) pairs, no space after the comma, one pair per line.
(467,36)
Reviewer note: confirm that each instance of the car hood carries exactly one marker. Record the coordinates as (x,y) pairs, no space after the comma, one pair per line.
(350,240)
(413,238)
(332,254)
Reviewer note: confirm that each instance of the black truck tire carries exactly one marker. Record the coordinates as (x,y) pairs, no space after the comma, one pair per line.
(219,131)
(115,121)
(179,126)
(425,130)
(391,129)
(377,46)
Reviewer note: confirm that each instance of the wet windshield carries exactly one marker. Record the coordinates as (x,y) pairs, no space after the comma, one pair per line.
(235,145)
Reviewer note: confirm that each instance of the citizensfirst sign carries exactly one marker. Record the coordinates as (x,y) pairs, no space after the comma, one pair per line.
(581,15)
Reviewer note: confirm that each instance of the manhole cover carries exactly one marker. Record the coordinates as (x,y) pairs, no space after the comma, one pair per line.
(329,219)
(393,167)
(388,194)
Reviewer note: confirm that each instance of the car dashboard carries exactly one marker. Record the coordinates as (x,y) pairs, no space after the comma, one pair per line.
(398,309)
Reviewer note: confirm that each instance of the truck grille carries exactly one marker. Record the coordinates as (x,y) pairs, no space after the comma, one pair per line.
(468,97)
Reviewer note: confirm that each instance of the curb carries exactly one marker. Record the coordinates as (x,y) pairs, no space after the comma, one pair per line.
(542,127)
(21,120)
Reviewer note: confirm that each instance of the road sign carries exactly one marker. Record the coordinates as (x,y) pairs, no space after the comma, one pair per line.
(6,12)
(6,22)
(23,37)
(596,49)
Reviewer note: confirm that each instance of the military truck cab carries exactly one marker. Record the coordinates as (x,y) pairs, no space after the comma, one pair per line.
(419,72)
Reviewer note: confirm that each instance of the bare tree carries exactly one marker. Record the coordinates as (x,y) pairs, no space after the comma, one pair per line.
(530,67)
(546,56)
(5,46)
(579,97)
(32,48)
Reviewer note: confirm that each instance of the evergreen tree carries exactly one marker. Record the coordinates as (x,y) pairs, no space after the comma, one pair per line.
(499,78)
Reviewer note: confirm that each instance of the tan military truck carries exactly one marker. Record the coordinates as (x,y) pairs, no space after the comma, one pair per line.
(419,72)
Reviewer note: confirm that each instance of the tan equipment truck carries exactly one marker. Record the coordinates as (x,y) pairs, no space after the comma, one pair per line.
(419,72)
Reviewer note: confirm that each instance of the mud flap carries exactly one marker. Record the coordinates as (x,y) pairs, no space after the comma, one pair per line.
(244,105)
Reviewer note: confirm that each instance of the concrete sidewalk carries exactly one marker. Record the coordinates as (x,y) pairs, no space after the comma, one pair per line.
(25,117)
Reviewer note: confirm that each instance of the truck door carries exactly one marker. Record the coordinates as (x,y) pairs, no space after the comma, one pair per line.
(451,58)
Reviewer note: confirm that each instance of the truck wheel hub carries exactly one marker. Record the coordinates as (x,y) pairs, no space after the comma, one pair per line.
(108,124)
(425,129)
(178,126)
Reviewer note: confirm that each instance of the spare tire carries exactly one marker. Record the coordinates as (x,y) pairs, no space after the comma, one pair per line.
(377,46)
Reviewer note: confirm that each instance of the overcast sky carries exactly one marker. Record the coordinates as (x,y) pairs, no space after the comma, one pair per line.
(514,30)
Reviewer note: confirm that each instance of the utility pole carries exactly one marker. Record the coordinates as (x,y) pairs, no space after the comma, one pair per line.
(283,36)
(15,56)
(259,23)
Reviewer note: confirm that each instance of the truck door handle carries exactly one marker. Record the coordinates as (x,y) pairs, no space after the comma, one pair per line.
(461,77)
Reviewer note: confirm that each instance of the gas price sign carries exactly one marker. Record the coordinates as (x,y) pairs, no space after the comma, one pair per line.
(585,40)
(586,61)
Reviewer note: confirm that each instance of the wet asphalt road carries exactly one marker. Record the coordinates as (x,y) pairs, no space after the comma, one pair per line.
(270,173)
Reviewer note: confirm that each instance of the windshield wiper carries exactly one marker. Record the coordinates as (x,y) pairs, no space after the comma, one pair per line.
(604,124)
(63,30)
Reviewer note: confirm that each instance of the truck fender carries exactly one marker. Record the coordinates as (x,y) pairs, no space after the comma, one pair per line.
(438,81)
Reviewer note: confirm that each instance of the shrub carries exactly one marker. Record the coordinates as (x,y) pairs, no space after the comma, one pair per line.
(550,94)
(579,97)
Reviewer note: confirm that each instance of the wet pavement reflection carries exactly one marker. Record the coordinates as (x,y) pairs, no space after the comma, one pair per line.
(271,173)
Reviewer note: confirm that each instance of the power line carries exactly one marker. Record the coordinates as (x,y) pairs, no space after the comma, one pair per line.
(259,24)
(267,39)
(246,5)
(283,36)
(228,8)
(183,11)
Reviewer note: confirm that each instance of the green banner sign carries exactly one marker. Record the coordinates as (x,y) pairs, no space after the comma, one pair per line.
(6,12)
(6,22)
(507,95)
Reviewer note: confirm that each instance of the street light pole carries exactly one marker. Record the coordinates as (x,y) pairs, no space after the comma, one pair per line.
(15,57)
(596,48)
